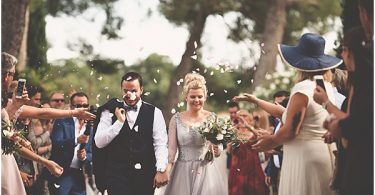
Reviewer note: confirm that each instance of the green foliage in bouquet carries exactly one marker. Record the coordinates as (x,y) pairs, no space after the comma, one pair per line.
(8,145)
(218,131)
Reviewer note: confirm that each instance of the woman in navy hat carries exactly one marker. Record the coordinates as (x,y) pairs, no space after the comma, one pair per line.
(308,162)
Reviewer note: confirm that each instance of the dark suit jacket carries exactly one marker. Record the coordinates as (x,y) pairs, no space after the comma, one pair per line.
(63,144)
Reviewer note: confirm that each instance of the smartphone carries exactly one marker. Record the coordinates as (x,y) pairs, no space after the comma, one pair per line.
(20,87)
(319,81)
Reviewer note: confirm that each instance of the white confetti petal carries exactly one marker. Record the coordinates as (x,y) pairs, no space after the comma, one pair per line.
(205,70)
(56,185)
(100,78)
(97,105)
(195,45)
(147,93)
(252,81)
(197,69)
(98,96)
(181,80)
(106,88)
(155,81)
(212,73)
(211,94)
(255,68)
(262,44)
(239,81)
(178,83)
(228,101)
(92,72)
(132,96)
(194,57)
(107,96)
(238,170)
(158,71)
(138,166)
(222,70)
(225,91)
(129,78)
(173,111)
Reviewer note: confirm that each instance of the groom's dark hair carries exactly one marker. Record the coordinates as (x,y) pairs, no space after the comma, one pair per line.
(131,76)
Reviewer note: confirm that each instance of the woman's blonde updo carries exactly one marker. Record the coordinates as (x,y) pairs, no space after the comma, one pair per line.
(194,81)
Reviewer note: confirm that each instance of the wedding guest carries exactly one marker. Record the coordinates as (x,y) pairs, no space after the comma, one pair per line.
(191,173)
(57,100)
(11,179)
(274,164)
(356,128)
(233,108)
(67,137)
(308,161)
(246,175)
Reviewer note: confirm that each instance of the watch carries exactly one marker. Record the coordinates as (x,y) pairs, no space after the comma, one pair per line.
(161,170)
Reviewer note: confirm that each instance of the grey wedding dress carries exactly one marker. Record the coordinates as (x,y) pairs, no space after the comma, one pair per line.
(190,174)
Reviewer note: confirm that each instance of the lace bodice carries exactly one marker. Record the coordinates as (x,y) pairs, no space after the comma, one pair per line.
(189,142)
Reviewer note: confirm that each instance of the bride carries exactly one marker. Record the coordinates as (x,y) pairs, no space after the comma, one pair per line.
(192,175)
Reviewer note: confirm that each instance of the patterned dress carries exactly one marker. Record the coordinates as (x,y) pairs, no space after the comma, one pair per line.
(246,176)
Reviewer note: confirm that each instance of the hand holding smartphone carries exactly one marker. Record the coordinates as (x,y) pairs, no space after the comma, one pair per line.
(319,81)
(20,87)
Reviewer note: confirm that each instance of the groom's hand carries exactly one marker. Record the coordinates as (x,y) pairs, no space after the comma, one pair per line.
(161,179)
(120,114)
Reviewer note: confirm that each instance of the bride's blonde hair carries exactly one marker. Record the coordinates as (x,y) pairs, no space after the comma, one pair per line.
(194,81)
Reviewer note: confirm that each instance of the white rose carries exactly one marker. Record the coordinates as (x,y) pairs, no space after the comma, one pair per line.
(219,136)
(8,134)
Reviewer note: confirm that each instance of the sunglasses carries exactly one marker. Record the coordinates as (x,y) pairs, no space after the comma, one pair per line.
(58,100)
(81,105)
(11,73)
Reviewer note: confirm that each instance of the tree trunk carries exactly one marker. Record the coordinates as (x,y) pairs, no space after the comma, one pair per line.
(14,22)
(185,65)
(272,35)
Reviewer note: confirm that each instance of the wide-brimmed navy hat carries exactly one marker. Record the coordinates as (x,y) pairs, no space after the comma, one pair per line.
(308,55)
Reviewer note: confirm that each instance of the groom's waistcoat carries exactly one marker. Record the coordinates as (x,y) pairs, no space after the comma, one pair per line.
(133,147)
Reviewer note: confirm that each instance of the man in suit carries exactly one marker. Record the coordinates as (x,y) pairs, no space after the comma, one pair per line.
(133,136)
(67,137)
(274,164)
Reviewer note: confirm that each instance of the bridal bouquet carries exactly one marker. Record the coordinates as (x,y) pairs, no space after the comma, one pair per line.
(11,140)
(218,131)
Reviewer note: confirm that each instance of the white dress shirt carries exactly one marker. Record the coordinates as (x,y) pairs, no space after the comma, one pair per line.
(77,132)
(107,131)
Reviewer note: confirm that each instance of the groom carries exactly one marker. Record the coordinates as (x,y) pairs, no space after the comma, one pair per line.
(131,138)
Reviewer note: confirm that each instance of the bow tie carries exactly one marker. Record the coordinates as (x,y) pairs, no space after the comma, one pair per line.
(131,108)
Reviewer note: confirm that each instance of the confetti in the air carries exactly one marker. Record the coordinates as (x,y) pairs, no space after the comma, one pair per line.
(212,73)
(225,91)
(252,81)
(228,101)
(263,52)
(222,70)
(147,93)
(255,68)
(100,78)
(238,170)
(106,88)
(158,71)
(92,72)
(129,78)
(194,57)
(97,105)
(173,111)
(205,70)
(239,81)
(211,94)
(195,45)
(155,81)
(107,96)
(178,83)
(262,44)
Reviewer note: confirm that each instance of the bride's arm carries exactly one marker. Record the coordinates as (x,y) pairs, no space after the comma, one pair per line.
(172,143)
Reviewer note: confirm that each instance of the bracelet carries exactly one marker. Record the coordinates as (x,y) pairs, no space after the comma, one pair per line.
(324,105)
